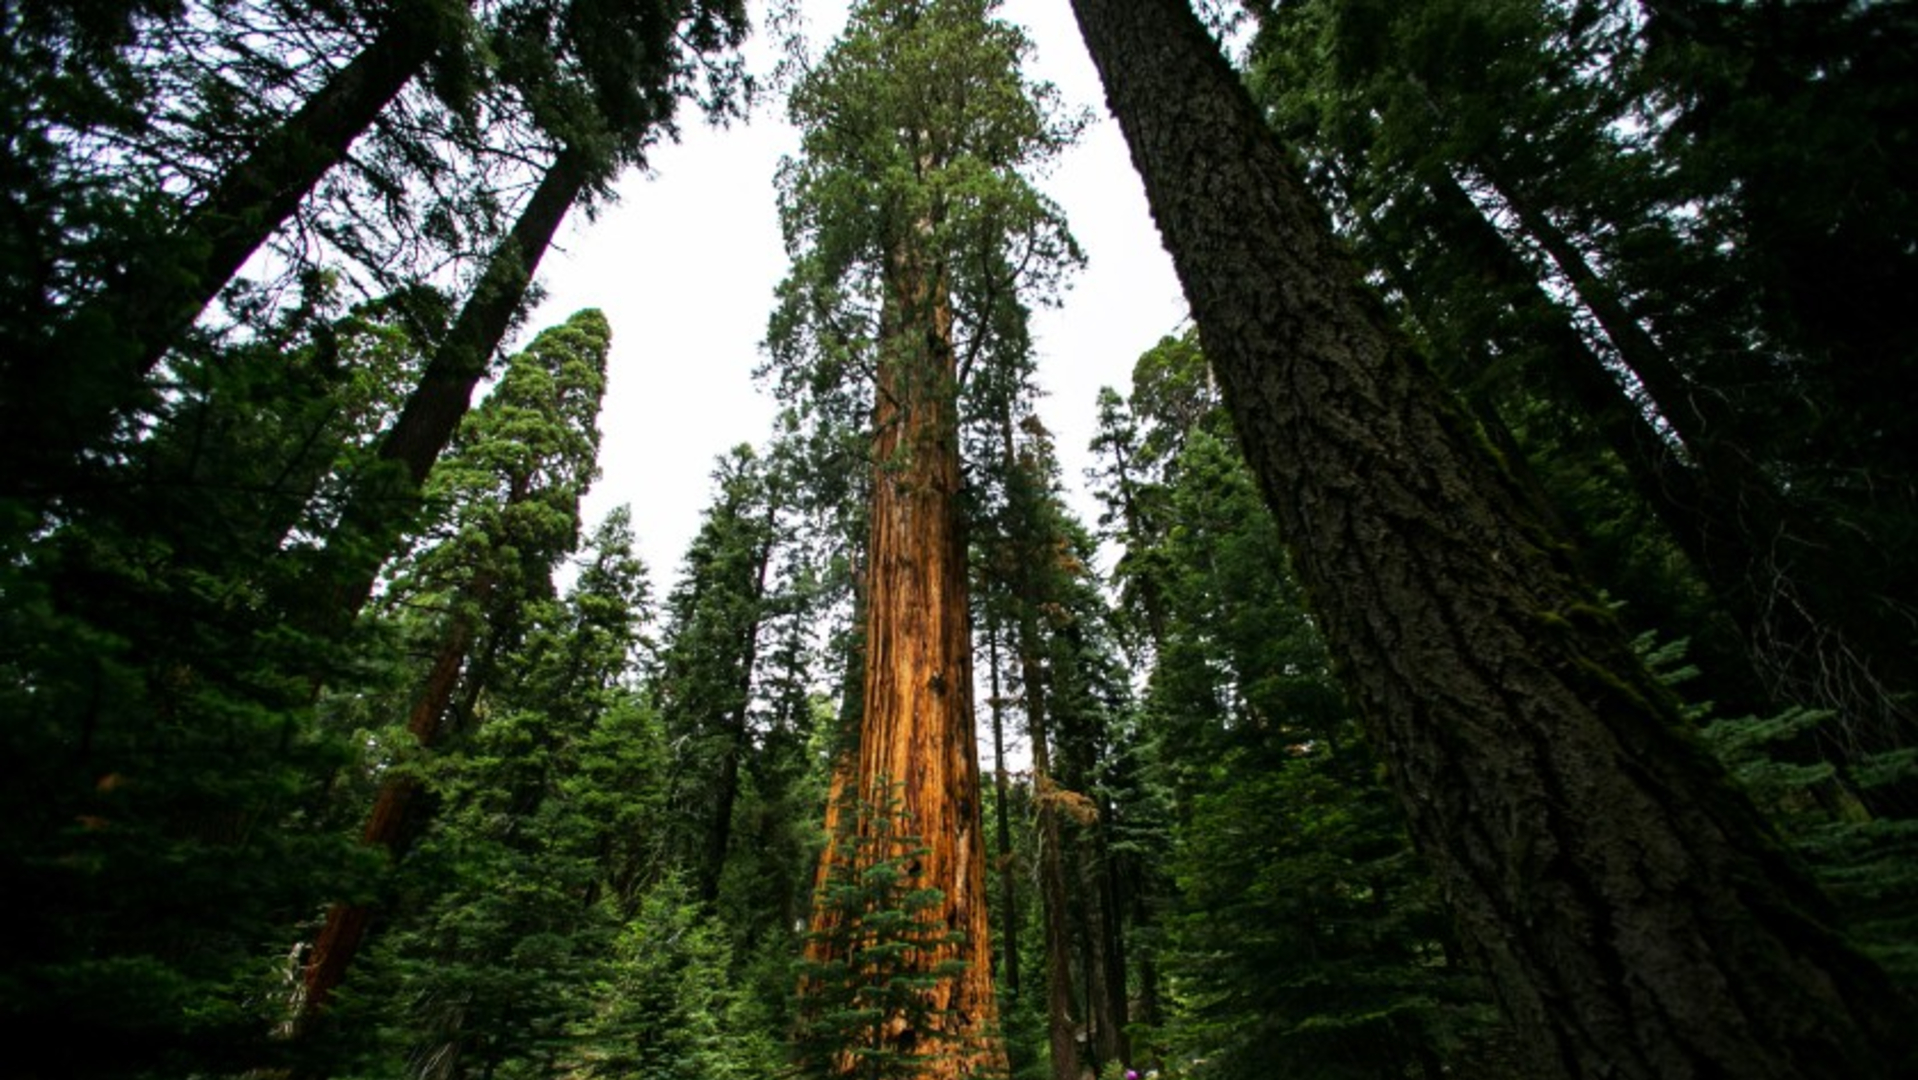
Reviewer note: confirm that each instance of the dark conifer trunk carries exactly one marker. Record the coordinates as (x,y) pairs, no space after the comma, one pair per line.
(1106,1005)
(381,504)
(1002,789)
(1782,576)
(1636,916)
(1136,526)
(719,830)
(1027,549)
(116,339)
(1062,1026)
(434,410)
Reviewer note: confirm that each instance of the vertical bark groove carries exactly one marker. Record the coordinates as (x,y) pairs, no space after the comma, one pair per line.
(916,728)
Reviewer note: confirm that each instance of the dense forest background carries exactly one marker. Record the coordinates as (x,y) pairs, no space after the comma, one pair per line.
(1489,655)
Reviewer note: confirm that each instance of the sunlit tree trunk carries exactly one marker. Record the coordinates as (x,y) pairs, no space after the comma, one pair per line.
(916,725)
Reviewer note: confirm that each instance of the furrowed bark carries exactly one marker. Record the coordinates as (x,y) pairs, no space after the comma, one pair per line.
(916,727)
(1636,916)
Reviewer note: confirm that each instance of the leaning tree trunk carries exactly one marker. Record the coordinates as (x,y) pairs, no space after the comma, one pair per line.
(117,338)
(381,503)
(1636,916)
(916,726)
(397,815)
(1783,575)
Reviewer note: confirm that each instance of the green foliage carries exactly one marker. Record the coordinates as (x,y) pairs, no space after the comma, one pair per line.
(919,138)
(864,990)
(1302,936)
(166,778)
(1310,941)
(533,919)
(672,1008)
(1868,864)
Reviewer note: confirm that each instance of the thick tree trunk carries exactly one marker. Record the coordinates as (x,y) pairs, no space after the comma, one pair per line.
(916,726)
(1636,916)
(122,334)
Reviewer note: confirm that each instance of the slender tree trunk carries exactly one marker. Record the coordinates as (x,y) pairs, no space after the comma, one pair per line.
(1636,916)
(1028,547)
(434,410)
(382,503)
(916,725)
(1106,1005)
(118,337)
(396,817)
(1667,484)
(1002,789)
(719,831)
(1062,1027)
(1102,956)
(1135,522)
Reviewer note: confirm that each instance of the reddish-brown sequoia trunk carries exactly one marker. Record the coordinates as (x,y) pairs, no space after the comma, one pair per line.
(1635,915)
(916,728)
(394,820)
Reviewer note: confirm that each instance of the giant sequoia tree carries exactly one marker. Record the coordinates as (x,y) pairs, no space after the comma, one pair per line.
(1635,915)
(906,217)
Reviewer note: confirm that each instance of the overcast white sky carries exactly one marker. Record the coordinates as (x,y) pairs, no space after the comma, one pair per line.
(685,264)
